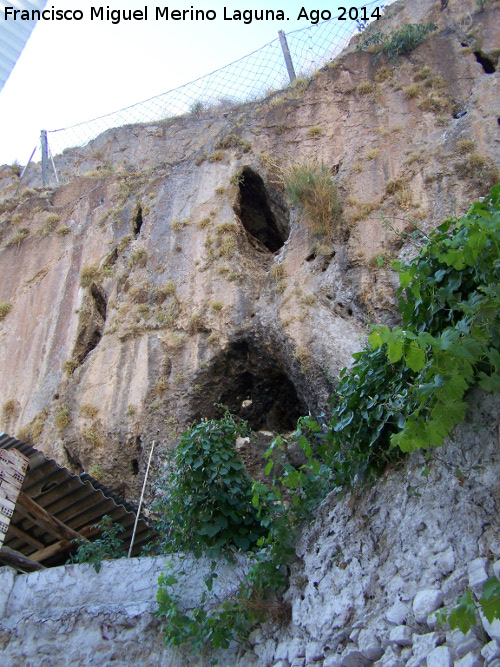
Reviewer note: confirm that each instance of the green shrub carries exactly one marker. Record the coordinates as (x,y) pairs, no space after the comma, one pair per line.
(104,548)
(405,391)
(396,42)
(310,185)
(207,494)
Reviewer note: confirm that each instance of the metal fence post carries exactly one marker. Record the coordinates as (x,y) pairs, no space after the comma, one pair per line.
(45,158)
(288,57)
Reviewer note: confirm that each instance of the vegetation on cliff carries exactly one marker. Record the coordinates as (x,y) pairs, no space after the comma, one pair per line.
(405,391)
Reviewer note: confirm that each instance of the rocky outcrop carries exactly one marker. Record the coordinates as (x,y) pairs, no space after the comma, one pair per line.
(171,272)
(370,573)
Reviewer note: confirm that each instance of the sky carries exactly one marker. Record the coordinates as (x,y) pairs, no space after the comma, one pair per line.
(73,71)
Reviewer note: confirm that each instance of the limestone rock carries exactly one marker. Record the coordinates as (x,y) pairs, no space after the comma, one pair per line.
(425,603)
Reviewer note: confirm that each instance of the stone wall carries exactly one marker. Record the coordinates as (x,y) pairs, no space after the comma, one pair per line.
(370,572)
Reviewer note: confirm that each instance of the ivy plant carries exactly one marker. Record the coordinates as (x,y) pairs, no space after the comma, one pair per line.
(405,390)
(205,503)
(106,547)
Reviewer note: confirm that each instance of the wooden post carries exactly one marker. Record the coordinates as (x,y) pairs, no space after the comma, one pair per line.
(45,158)
(288,57)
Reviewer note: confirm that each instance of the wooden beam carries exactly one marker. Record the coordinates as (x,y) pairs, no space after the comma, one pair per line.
(19,561)
(41,517)
(62,545)
(32,541)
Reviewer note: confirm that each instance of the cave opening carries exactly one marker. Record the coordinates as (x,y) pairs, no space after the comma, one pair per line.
(253,386)
(255,210)
(137,221)
(487,63)
(92,321)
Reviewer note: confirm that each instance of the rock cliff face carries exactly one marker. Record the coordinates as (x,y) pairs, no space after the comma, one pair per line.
(171,273)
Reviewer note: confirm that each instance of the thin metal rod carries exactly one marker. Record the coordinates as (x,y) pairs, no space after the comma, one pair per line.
(140,501)
(53,165)
(288,57)
(25,167)
(45,158)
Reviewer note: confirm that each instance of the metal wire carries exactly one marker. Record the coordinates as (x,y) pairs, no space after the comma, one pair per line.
(246,79)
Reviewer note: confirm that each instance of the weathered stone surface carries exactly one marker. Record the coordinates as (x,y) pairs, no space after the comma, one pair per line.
(425,603)
(157,360)
(422,646)
(401,635)
(491,651)
(469,660)
(478,573)
(440,657)
(398,613)
(154,353)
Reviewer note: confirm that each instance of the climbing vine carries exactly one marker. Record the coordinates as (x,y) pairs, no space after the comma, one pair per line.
(405,391)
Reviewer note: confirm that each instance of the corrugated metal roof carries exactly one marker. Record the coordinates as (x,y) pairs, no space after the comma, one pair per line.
(14,35)
(79,501)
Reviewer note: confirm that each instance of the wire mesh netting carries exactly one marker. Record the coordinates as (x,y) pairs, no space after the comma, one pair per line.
(247,79)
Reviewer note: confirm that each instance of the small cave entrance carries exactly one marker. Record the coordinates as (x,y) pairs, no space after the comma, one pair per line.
(486,63)
(252,385)
(255,210)
(137,221)
(91,323)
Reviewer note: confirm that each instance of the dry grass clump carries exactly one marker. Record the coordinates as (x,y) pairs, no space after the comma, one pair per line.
(227,247)
(219,190)
(138,257)
(94,435)
(179,224)
(10,408)
(383,74)
(88,274)
(310,185)
(412,91)
(96,471)
(303,356)
(64,230)
(278,272)
(70,366)
(18,237)
(314,132)
(204,223)
(5,308)
(169,289)
(465,146)
(481,170)
(216,156)
(372,154)
(33,430)
(88,410)
(435,103)
(226,228)
(217,306)
(161,385)
(421,73)
(365,88)
(274,172)
(61,419)
(393,185)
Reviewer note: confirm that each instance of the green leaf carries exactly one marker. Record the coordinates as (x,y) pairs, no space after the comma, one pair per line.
(463,615)
(415,358)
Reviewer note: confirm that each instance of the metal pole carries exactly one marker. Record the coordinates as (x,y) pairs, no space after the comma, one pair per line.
(53,166)
(288,57)
(24,170)
(140,502)
(45,158)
